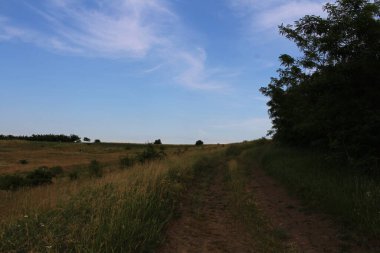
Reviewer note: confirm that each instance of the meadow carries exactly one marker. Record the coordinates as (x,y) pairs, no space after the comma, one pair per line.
(129,197)
(125,209)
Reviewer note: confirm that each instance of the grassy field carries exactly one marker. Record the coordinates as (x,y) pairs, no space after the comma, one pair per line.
(121,197)
(124,210)
(325,185)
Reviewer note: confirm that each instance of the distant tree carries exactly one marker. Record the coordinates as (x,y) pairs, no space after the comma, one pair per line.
(86,139)
(198,143)
(158,142)
(97,141)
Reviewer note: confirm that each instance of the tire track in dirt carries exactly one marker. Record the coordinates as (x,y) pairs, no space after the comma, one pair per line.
(308,232)
(211,228)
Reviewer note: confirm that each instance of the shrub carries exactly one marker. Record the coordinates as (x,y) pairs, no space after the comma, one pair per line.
(97,141)
(158,142)
(39,176)
(95,169)
(126,162)
(198,143)
(23,161)
(86,139)
(73,175)
(56,170)
(150,153)
(12,182)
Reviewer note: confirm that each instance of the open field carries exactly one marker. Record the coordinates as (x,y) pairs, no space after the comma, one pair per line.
(213,198)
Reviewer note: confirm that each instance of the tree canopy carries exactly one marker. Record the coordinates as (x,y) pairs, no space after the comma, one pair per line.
(327,98)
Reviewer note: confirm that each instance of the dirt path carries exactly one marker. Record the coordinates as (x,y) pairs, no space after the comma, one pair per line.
(206,225)
(308,232)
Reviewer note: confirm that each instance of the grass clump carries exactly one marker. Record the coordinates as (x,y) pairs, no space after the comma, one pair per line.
(94,169)
(348,195)
(23,161)
(127,214)
(150,154)
(126,162)
(12,182)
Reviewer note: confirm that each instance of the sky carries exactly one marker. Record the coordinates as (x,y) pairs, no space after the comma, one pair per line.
(140,70)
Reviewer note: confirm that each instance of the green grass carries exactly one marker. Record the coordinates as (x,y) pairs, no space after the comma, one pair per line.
(353,199)
(113,217)
(243,205)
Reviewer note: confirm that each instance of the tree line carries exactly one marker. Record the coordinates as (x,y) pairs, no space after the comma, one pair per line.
(44,137)
(328,97)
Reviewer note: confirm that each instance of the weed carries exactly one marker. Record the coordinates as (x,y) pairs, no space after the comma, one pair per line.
(94,169)
(39,176)
(23,161)
(12,182)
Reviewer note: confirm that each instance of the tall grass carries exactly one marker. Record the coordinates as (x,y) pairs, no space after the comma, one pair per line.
(243,204)
(124,211)
(352,198)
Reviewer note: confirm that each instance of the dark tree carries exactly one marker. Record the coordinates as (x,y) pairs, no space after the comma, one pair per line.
(198,143)
(97,141)
(327,98)
(86,139)
(158,142)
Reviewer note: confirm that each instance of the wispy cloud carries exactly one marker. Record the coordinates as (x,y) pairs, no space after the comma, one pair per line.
(267,15)
(144,30)
(117,28)
(196,75)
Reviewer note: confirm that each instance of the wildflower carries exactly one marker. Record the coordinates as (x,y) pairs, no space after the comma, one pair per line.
(48,246)
(42,225)
(26,216)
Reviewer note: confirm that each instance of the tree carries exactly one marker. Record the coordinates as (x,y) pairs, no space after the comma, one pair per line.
(198,143)
(328,97)
(158,142)
(86,139)
(97,141)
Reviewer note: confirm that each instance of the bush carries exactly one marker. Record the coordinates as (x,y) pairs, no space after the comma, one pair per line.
(12,182)
(73,175)
(198,143)
(94,169)
(126,162)
(23,161)
(39,176)
(150,153)
(56,170)
(86,139)
(97,141)
(158,142)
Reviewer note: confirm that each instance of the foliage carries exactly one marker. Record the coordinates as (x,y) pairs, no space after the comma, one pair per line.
(39,176)
(328,97)
(94,169)
(56,170)
(158,142)
(43,137)
(86,139)
(126,162)
(73,175)
(23,161)
(12,182)
(149,154)
(324,184)
(97,141)
(198,143)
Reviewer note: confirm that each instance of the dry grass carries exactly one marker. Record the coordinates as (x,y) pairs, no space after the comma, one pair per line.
(123,211)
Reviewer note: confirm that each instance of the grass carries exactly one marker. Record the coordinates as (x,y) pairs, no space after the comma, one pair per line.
(123,211)
(243,205)
(353,199)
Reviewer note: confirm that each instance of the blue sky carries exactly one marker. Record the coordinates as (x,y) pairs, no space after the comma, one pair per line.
(139,70)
